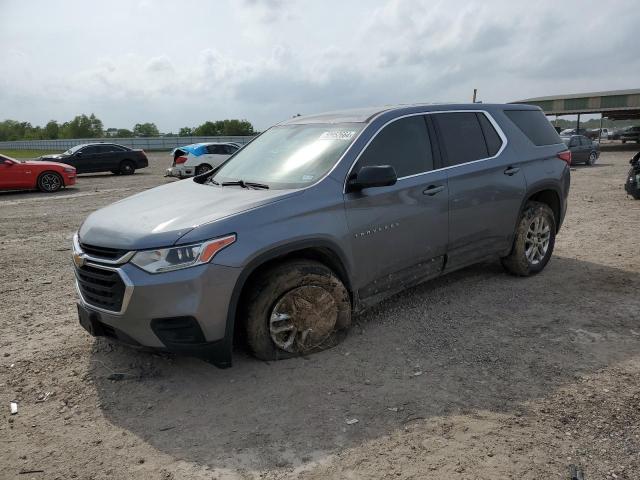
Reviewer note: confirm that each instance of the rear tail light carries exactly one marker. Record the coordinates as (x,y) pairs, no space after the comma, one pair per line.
(566,156)
(180,160)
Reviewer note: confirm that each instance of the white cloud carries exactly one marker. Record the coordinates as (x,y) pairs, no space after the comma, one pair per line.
(268,59)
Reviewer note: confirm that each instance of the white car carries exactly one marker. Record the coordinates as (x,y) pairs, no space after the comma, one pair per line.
(198,158)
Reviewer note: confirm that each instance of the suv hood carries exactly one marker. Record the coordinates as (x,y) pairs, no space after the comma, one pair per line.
(160,216)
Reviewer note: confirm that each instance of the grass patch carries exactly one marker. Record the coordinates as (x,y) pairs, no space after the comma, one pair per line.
(27,153)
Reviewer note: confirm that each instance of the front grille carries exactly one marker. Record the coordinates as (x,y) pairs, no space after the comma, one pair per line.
(102,252)
(101,288)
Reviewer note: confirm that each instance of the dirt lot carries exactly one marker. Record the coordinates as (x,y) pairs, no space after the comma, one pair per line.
(477,375)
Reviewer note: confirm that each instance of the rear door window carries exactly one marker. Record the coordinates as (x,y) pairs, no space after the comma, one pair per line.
(216,149)
(403,144)
(462,137)
(535,126)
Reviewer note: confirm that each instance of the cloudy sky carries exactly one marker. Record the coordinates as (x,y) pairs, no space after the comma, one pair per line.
(179,63)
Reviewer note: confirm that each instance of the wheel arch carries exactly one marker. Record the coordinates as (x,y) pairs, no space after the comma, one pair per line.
(323,251)
(550,196)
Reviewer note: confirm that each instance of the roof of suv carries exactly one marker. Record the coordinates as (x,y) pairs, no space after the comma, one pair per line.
(366,115)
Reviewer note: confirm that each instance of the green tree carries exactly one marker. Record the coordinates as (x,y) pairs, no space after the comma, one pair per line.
(237,127)
(145,130)
(185,132)
(124,133)
(227,127)
(82,127)
(207,129)
(51,130)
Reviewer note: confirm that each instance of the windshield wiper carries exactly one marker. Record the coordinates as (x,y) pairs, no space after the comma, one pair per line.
(244,184)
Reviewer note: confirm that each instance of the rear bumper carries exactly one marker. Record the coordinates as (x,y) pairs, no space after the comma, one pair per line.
(179,171)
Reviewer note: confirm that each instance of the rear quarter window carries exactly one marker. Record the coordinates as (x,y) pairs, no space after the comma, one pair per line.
(535,126)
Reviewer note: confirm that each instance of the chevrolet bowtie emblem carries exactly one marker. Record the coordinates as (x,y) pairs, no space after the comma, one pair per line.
(78,260)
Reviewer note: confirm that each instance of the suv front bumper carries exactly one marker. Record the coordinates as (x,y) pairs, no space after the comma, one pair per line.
(183,311)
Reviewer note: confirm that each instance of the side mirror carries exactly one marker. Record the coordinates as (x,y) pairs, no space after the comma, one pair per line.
(373,176)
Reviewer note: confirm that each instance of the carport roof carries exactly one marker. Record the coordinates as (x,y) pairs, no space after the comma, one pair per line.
(614,104)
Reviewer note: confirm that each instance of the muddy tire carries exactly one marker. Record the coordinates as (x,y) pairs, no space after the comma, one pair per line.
(593,156)
(534,241)
(50,182)
(200,169)
(296,308)
(127,167)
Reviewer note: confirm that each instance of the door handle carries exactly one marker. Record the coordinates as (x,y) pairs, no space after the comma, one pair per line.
(433,189)
(511,171)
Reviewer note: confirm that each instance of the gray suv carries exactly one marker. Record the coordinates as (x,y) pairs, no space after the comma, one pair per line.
(315,220)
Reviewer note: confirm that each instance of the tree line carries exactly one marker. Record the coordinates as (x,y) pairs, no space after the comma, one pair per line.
(83,126)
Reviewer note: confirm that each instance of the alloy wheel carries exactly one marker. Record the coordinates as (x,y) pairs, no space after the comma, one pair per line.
(50,182)
(537,240)
(303,319)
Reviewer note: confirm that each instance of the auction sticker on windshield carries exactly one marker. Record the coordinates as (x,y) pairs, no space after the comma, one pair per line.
(338,135)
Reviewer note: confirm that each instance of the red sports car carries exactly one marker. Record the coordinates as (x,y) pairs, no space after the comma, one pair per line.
(27,175)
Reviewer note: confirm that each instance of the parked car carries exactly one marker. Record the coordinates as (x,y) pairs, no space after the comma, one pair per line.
(582,149)
(32,175)
(573,131)
(630,134)
(632,185)
(102,157)
(615,133)
(320,217)
(199,158)
(598,133)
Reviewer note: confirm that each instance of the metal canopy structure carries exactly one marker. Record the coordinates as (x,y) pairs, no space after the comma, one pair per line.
(614,104)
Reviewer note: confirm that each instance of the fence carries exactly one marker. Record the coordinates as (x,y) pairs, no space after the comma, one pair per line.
(146,143)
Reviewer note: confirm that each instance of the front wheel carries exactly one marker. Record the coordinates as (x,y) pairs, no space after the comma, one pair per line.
(296,308)
(50,182)
(593,156)
(534,241)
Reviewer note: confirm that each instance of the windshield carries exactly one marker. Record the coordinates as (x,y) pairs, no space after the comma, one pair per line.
(290,156)
(73,150)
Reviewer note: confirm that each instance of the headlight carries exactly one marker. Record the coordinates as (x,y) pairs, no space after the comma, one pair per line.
(175,258)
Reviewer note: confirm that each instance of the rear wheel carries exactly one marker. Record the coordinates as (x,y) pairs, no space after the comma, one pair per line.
(127,167)
(200,169)
(50,182)
(593,156)
(534,241)
(295,308)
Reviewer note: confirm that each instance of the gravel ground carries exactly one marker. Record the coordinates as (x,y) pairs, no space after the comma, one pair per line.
(477,375)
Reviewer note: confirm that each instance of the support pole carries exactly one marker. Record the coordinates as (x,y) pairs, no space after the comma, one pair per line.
(578,127)
(600,132)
